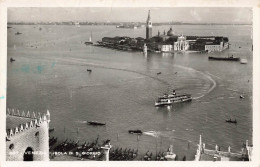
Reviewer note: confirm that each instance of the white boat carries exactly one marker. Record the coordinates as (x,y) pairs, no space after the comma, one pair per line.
(89,40)
(170,156)
(243,61)
(168,99)
(77,24)
(163,103)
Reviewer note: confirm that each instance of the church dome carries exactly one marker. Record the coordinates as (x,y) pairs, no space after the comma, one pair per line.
(170,32)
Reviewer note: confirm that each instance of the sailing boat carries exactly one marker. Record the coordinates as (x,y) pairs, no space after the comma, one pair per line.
(77,24)
(90,40)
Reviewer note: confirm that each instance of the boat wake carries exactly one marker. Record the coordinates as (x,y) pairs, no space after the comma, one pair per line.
(152,133)
(82,63)
(214,84)
(86,86)
(152,77)
(213,75)
(82,122)
(168,134)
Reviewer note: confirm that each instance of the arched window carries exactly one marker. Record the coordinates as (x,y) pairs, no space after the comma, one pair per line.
(11,146)
(28,154)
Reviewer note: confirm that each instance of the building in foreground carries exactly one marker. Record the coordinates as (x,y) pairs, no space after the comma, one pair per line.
(27,136)
(204,154)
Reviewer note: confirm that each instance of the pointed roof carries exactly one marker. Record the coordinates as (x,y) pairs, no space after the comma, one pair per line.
(149,17)
(48,113)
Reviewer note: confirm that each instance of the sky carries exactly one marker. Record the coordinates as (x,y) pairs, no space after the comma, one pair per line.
(232,15)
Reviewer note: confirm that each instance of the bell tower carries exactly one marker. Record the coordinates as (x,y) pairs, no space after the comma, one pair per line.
(149,27)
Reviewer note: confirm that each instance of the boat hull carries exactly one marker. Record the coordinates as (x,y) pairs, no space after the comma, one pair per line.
(158,104)
(88,43)
(162,103)
(96,123)
(224,58)
(135,131)
(233,122)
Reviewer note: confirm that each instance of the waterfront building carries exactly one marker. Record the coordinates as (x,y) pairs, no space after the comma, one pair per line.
(213,47)
(181,44)
(165,48)
(149,26)
(208,43)
(216,47)
(27,136)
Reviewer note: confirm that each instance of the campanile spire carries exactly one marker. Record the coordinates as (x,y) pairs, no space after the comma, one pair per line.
(149,26)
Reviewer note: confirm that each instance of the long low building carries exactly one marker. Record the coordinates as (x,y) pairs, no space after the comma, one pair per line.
(216,47)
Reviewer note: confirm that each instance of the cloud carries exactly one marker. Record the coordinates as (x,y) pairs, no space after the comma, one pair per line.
(195,15)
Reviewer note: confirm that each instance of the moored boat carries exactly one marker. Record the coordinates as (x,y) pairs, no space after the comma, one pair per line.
(88,43)
(243,61)
(225,58)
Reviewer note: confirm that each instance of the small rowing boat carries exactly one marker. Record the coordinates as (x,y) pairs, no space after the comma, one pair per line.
(96,123)
(231,121)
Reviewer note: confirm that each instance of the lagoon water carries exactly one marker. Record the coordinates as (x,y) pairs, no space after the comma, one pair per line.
(50,72)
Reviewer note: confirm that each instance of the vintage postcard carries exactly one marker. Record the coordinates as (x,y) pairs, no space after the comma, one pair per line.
(101,83)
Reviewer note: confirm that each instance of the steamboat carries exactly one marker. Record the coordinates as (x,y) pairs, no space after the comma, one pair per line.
(169,99)
(231,58)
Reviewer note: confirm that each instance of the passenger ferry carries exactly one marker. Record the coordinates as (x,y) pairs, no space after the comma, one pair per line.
(163,103)
(169,99)
(175,97)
